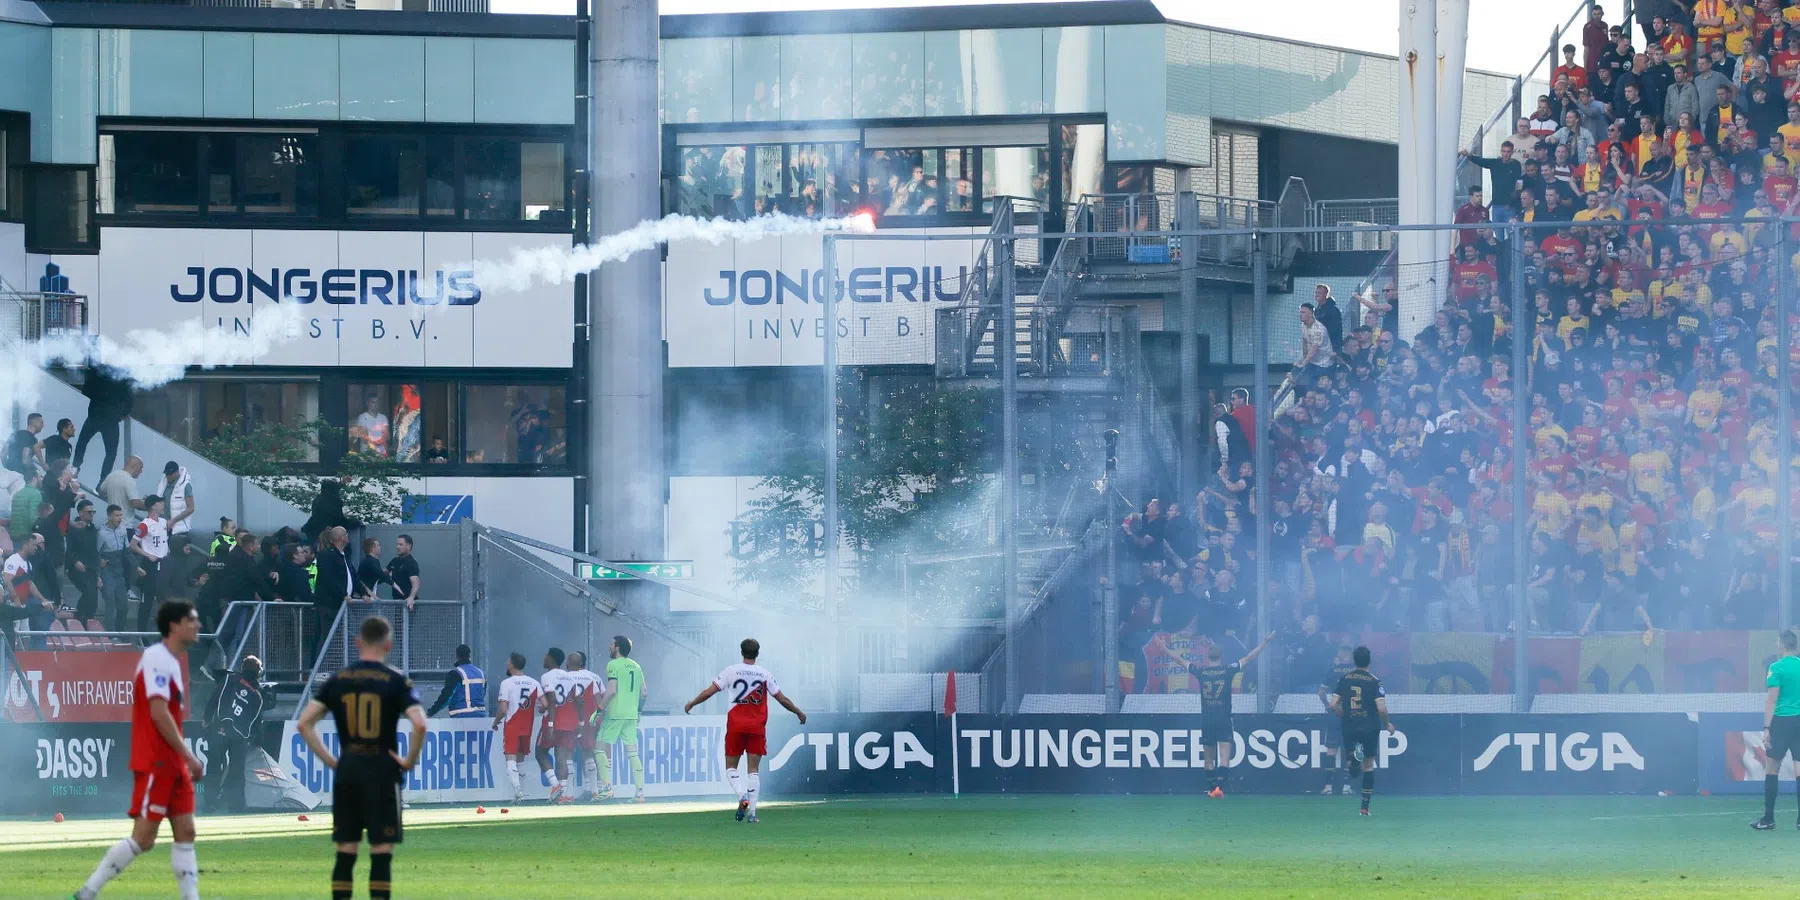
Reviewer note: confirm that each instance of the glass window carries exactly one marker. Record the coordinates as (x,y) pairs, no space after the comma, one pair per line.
(12,173)
(280,174)
(898,182)
(1014,172)
(221,175)
(959,180)
(509,180)
(152,172)
(1083,160)
(189,412)
(819,178)
(408,423)
(61,203)
(440,177)
(769,168)
(382,177)
(516,424)
(712,182)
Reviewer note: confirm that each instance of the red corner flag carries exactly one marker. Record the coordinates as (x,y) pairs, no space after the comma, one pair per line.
(950,695)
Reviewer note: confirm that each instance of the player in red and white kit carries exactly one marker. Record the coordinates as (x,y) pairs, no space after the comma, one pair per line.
(748,687)
(162,766)
(558,729)
(586,698)
(518,706)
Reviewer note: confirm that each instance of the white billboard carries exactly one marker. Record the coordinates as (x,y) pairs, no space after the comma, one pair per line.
(369,298)
(757,303)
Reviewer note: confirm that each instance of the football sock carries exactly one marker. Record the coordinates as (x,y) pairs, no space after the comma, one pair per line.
(343,876)
(736,781)
(637,768)
(590,772)
(1368,787)
(603,765)
(117,857)
(512,774)
(186,866)
(1771,790)
(750,792)
(381,875)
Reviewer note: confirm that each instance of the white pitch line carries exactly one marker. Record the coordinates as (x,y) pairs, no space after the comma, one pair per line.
(1735,812)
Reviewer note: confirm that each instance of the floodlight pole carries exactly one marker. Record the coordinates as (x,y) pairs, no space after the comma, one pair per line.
(828,306)
(1521,442)
(1264,462)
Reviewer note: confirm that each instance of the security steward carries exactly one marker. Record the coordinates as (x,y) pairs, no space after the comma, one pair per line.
(465,688)
(236,711)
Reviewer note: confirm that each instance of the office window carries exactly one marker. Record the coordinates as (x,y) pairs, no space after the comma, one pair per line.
(279,173)
(712,181)
(14,142)
(1014,172)
(408,423)
(509,179)
(189,412)
(517,424)
(221,175)
(382,176)
(150,172)
(440,177)
(920,182)
(59,208)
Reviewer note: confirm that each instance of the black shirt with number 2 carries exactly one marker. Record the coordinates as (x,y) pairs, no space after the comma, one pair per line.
(1357,692)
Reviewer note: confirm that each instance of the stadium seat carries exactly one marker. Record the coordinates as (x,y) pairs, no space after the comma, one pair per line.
(1061,703)
(1166,704)
(78,639)
(54,642)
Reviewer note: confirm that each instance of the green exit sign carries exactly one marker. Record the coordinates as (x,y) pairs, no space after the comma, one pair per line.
(669,569)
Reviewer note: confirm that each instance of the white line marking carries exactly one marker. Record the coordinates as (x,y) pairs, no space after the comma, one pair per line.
(1735,812)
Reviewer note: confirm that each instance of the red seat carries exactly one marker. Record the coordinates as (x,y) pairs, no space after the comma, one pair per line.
(78,638)
(58,643)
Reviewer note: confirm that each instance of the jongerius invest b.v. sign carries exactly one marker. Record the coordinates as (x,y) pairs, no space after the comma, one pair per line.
(367,298)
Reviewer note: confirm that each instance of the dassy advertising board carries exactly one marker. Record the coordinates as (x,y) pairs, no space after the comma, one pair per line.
(1426,754)
(88,686)
(72,768)
(462,760)
(1732,757)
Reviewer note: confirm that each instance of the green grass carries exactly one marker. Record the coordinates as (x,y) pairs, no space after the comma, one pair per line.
(1032,846)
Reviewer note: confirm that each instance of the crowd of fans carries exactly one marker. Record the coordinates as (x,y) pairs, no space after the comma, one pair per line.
(105,556)
(1651,380)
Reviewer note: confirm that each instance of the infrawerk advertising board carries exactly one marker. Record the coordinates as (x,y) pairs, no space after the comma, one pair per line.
(462,760)
(757,303)
(367,298)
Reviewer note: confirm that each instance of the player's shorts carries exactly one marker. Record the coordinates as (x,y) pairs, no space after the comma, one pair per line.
(1215,729)
(740,742)
(613,731)
(546,737)
(563,741)
(162,794)
(1784,738)
(1367,737)
(366,800)
(517,744)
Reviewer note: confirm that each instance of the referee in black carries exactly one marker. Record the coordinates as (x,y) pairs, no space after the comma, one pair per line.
(367,700)
(1781,725)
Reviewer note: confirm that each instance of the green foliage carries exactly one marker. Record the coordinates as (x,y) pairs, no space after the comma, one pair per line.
(374,489)
(913,478)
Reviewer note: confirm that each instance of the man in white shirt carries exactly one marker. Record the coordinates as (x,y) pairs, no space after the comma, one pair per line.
(23,599)
(119,488)
(1316,352)
(151,544)
(371,432)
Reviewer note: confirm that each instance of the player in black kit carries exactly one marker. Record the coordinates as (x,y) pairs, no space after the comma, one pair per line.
(366,700)
(1214,680)
(1341,665)
(1362,703)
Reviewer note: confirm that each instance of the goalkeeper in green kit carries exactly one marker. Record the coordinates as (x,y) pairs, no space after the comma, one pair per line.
(619,704)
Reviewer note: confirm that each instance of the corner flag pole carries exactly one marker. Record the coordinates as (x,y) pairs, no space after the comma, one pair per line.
(955,741)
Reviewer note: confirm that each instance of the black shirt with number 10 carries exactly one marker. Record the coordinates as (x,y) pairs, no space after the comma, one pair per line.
(367,701)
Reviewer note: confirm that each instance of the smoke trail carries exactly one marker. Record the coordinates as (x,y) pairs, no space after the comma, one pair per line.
(150,359)
(554,266)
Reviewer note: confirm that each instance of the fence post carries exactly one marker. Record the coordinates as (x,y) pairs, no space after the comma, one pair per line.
(1521,413)
(1187,220)
(1784,427)
(1006,353)
(1259,299)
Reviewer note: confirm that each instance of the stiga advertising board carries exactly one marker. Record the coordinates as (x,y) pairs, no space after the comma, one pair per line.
(1268,754)
(1161,754)
(72,768)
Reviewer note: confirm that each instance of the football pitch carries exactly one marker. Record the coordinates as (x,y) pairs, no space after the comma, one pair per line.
(1020,846)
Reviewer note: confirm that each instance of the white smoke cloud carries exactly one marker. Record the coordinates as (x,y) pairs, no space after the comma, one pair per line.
(149,358)
(552,266)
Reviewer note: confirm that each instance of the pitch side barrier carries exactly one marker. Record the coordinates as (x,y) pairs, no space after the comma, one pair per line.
(1594,753)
